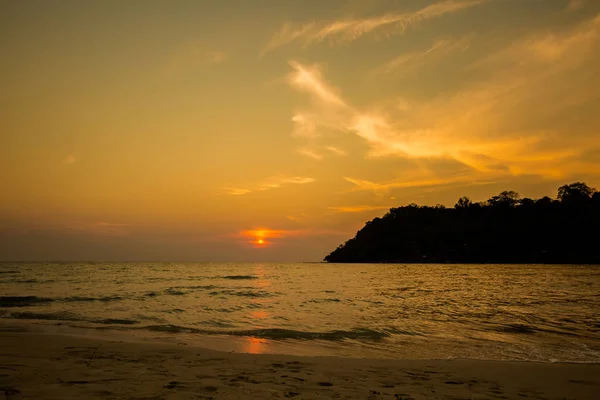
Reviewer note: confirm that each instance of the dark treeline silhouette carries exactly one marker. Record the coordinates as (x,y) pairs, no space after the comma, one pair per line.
(503,229)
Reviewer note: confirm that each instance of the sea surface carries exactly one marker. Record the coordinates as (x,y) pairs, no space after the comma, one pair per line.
(548,313)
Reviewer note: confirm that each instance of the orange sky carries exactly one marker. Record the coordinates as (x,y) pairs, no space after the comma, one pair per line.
(182,130)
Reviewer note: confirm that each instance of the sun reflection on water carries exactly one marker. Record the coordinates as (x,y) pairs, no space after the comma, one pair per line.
(255,345)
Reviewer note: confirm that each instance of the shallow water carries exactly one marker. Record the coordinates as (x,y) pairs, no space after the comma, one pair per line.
(502,312)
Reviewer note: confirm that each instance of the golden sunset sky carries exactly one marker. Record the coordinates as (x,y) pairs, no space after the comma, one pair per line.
(190,130)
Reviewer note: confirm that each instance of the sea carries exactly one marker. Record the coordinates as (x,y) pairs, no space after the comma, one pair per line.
(544,313)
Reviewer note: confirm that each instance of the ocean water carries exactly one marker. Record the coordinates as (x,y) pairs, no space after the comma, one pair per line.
(547,313)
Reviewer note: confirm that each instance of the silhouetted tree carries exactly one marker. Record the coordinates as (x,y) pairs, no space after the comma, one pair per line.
(527,202)
(463,202)
(507,198)
(544,202)
(575,193)
(504,230)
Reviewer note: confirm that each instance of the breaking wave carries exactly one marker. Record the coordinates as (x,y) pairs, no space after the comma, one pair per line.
(238,277)
(69,316)
(276,334)
(26,301)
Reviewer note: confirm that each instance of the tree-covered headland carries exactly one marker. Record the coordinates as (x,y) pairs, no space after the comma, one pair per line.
(503,229)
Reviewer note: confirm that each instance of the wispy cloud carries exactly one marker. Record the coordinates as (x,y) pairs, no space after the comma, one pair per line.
(287,34)
(365,185)
(270,183)
(347,30)
(336,150)
(310,153)
(415,59)
(506,121)
(310,79)
(357,209)
(296,218)
(237,191)
(575,5)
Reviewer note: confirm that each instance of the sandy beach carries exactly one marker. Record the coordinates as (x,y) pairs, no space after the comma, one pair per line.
(36,365)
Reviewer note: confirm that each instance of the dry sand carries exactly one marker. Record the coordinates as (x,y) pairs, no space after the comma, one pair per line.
(49,366)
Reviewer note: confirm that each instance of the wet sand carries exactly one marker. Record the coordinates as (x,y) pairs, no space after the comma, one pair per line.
(36,365)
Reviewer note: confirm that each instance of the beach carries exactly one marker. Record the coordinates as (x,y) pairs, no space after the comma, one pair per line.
(38,365)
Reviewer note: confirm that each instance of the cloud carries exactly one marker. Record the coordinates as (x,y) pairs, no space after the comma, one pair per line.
(304,126)
(575,5)
(70,159)
(287,34)
(336,150)
(237,191)
(518,116)
(357,209)
(415,59)
(310,79)
(310,153)
(365,185)
(270,183)
(348,30)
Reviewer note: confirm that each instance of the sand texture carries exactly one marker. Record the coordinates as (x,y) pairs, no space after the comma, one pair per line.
(48,366)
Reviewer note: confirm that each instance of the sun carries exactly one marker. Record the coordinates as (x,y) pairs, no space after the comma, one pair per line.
(260,241)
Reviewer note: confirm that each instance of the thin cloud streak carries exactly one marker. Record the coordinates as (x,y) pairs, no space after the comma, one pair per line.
(415,59)
(237,191)
(357,209)
(348,30)
(336,150)
(310,153)
(271,183)
(365,185)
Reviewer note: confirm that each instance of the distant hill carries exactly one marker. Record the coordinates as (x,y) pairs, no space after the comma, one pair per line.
(503,229)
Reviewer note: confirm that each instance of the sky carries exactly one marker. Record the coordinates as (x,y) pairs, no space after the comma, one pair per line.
(272,130)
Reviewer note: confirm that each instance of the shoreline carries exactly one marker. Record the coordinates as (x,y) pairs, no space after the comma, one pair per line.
(248,343)
(43,365)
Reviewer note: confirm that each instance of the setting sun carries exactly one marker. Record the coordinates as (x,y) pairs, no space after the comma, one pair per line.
(262,237)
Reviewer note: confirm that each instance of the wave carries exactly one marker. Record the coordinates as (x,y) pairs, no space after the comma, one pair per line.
(198,287)
(103,298)
(22,301)
(26,301)
(332,300)
(69,316)
(244,293)
(516,328)
(174,292)
(238,277)
(276,333)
